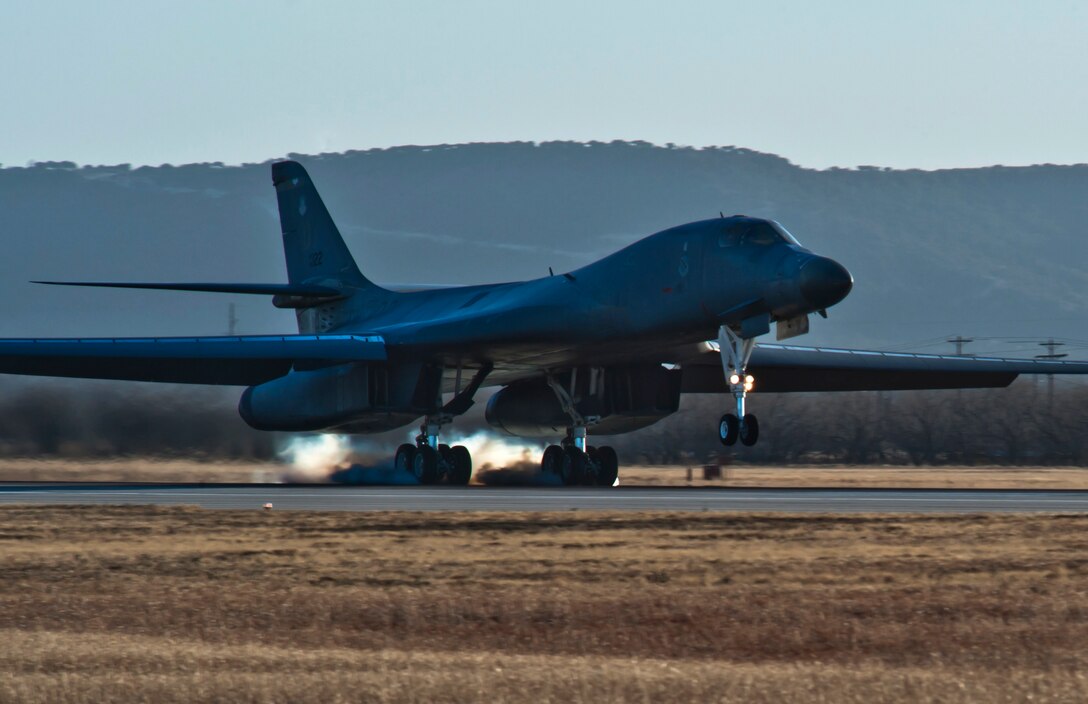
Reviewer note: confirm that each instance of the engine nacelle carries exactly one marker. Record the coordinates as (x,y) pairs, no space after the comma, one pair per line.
(624,398)
(354,398)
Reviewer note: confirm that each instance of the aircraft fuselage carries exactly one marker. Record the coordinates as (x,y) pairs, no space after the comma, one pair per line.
(677,285)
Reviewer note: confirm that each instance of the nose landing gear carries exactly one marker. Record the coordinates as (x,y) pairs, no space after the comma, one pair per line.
(736,351)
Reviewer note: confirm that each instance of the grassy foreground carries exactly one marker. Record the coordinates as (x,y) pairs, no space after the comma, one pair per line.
(177,604)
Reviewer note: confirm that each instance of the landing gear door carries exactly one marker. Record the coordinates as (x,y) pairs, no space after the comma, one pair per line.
(791,327)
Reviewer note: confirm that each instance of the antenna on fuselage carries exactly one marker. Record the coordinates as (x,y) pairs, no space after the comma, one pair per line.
(550,272)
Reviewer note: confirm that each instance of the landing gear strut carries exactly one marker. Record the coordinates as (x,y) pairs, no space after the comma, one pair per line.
(573,461)
(735,352)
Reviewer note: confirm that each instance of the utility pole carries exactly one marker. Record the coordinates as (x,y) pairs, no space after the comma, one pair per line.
(959,341)
(1050,346)
(232,320)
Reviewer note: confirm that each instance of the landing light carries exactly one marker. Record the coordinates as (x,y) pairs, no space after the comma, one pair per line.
(734,379)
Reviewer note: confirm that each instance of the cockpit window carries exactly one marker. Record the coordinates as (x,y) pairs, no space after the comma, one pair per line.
(761,233)
(751,233)
(730,237)
(785,233)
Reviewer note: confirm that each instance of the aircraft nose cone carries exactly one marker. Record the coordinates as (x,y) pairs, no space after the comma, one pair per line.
(824,282)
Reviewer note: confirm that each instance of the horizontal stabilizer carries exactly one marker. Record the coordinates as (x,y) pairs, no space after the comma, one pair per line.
(305,290)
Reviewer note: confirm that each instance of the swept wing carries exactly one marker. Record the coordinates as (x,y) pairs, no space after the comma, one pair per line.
(241,361)
(783,368)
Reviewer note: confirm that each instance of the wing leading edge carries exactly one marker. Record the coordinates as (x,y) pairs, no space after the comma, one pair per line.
(229,361)
(785,368)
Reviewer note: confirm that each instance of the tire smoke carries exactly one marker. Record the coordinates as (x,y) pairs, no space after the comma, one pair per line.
(339,459)
(498,461)
(346,459)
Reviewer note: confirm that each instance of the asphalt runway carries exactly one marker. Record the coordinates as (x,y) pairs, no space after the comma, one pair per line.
(445,498)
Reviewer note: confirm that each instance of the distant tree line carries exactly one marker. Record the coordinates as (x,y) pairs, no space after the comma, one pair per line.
(1015,426)
(96,420)
(1019,425)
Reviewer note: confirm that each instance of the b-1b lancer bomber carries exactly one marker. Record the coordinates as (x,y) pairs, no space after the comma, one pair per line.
(601,350)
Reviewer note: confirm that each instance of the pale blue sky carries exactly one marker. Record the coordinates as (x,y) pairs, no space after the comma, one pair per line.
(924,84)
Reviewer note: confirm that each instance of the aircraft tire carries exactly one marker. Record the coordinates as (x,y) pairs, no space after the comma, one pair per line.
(728,429)
(402,461)
(460,471)
(573,467)
(749,430)
(593,466)
(552,459)
(609,467)
(445,461)
(425,465)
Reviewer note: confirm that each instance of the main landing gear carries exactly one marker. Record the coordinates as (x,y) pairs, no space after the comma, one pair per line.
(574,462)
(592,466)
(428,461)
(735,352)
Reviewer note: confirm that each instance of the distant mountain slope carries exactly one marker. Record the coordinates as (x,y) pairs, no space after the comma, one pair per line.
(994,251)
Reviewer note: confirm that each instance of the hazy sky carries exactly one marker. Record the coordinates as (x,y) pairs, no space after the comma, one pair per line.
(925,84)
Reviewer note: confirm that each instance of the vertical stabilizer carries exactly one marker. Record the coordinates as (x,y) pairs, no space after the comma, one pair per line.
(311,242)
(316,253)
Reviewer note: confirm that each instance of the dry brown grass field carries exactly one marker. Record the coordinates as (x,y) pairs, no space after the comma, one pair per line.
(136,470)
(144,470)
(179,604)
(866,476)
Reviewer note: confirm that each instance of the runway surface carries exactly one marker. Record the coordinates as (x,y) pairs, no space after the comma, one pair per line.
(443,498)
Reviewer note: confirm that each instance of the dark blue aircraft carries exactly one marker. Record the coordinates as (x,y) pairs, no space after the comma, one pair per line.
(606,349)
